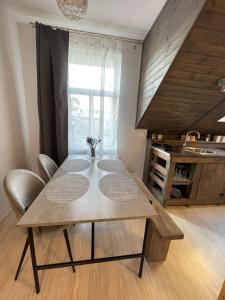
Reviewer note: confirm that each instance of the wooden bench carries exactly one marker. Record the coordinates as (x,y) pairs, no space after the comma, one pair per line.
(162,230)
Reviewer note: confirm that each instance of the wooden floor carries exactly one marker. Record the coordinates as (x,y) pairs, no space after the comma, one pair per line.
(195,267)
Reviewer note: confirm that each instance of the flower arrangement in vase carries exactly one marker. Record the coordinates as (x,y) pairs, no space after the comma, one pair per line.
(92,143)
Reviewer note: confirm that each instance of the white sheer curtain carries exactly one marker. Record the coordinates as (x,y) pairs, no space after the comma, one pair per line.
(94,88)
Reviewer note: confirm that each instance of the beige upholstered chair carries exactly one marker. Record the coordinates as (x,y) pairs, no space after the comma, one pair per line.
(22,187)
(47,167)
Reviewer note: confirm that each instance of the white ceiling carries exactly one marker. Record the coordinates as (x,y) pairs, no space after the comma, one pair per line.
(127,18)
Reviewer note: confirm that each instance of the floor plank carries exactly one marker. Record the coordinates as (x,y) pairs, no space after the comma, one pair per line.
(194,269)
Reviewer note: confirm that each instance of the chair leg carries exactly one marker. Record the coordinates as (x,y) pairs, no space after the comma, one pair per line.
(22,258)
(68,246)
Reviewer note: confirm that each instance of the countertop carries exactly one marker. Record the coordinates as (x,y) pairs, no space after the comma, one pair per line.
(219,154)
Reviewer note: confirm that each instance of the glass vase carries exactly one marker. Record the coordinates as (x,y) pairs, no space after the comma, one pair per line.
(92,151)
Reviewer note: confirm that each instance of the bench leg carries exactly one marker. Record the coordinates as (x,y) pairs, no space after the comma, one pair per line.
(157,248)
(144,248)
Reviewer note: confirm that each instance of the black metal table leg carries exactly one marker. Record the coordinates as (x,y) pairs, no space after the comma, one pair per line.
(94,260)
(143,248)
(65,232)
(33,259)
(22,258)
(92,241)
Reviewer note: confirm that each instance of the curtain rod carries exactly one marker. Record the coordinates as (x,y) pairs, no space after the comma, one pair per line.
(95,34)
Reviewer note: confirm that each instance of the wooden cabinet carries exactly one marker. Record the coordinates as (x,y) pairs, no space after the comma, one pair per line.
(212,183)
(186,179)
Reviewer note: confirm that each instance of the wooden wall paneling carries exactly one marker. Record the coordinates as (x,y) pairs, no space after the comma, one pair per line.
(187,97)
(162,44)
(208,123)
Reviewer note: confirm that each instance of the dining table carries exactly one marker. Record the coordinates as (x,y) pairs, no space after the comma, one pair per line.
(87,190)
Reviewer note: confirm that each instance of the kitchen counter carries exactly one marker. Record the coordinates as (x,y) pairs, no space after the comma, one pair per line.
(186,178)
(187,156)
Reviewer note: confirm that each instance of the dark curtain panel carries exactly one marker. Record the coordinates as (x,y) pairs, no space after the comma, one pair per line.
(52,74)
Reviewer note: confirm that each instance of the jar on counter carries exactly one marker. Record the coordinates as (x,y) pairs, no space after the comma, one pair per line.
(208,137)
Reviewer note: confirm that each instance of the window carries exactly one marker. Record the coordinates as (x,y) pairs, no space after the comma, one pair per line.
(94,79)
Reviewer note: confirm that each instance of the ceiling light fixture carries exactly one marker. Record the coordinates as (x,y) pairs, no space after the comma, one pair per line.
(73,9)
(221,85)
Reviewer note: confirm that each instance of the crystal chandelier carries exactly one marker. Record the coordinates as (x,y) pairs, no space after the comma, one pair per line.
(73,9)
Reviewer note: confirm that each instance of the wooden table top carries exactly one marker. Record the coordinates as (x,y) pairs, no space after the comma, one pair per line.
(101,190)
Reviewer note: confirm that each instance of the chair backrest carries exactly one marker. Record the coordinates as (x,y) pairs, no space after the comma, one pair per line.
(47,167)
(22,187)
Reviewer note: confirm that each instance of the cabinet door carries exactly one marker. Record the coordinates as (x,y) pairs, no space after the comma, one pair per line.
(212,182)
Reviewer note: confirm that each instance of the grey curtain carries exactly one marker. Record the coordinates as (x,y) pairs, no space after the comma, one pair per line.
(52,74)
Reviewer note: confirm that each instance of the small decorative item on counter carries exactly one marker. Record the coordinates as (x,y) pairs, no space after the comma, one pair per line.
(208,137)
(217,138)
(159,137)
(92,143)
(154,136)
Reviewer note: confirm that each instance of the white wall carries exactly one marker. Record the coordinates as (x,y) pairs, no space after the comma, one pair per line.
(131,142)
(12,142)
(27,43)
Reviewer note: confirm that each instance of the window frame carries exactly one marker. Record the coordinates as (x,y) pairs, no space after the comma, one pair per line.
(91,94)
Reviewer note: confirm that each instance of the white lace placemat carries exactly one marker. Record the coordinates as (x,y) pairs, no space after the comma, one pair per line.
(67,188)
(119,187)
(111,165)
(76,165)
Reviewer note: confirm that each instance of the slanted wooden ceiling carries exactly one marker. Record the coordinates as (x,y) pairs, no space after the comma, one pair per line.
(187,97)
